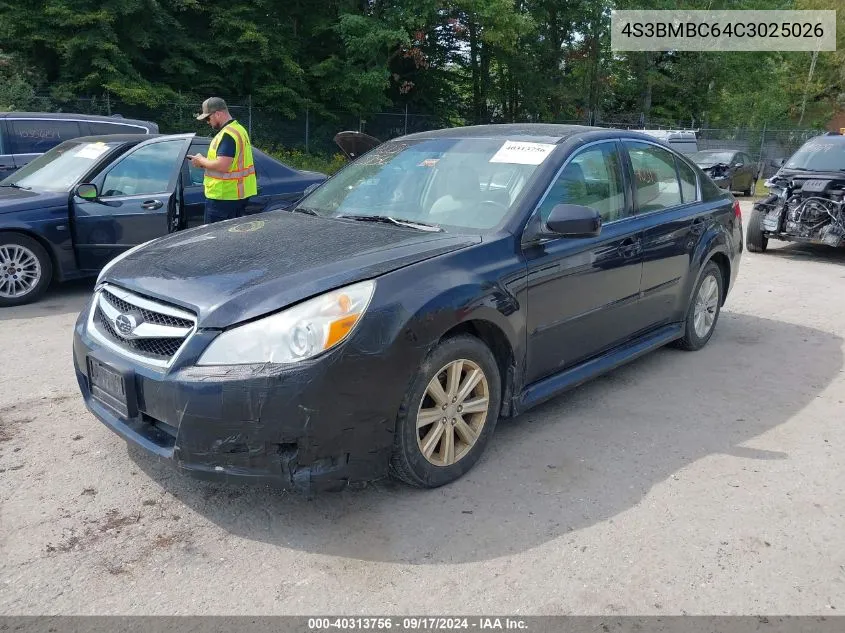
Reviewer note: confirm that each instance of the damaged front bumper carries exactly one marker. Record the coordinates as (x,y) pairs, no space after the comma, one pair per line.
(316,427)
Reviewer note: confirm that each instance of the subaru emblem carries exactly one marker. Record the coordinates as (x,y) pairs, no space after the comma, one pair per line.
(125,323)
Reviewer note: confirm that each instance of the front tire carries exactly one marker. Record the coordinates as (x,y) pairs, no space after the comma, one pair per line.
(704,308)
(754,238)
(25,270)
(448,414)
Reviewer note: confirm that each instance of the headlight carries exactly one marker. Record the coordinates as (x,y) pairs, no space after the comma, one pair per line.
(295,334)
(123,255)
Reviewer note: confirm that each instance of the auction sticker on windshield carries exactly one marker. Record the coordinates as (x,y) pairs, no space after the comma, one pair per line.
(521,153)
(92,150)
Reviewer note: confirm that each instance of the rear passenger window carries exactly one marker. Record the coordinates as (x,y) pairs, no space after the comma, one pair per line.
(687,181)
(102,127)
(655,179)
(39,135)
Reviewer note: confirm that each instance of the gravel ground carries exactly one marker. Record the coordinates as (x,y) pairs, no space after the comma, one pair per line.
(701,483)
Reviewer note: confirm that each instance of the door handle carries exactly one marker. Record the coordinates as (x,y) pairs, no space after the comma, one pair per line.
(151,205)
(630,247)
(698,226)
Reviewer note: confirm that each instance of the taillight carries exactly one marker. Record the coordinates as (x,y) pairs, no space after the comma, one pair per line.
(737,210)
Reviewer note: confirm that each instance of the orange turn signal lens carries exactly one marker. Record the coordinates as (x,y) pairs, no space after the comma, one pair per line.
(339,329)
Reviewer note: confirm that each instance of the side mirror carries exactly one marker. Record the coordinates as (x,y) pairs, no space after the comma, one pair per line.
(780,162)
(573,220)
(87,191)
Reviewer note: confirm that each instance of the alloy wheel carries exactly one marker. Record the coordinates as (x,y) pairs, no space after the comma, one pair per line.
(706,304)
(453,412)
(20,271)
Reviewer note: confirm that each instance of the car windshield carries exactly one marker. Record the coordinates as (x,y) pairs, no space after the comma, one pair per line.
(708,159)
(61,168)
(824,153)
(454,184)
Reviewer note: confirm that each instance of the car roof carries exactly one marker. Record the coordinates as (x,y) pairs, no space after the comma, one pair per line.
(114,138)
(537,132)
(71,115)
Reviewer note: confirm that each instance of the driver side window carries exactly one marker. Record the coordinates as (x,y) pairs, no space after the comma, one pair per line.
(145,171)
(593,178)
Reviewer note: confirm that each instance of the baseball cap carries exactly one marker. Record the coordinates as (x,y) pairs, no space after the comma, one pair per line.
(210,106)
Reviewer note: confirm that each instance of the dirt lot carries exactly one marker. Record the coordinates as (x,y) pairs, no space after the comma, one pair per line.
(708,482)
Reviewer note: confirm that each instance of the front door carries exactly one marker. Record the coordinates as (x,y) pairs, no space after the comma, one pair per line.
(137,203)
(583,292)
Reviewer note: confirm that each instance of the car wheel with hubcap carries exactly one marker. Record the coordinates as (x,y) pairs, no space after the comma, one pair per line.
(448,415)
(25,269)
(704,308)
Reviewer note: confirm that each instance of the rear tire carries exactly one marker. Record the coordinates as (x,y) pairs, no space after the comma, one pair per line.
(25,270)
(754,238)
(428,452)
(704,309)
(750,190)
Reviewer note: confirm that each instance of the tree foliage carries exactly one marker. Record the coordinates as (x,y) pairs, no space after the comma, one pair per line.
(466,61)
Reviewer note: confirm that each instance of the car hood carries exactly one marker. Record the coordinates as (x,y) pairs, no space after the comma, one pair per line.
(12,199)
(237,270)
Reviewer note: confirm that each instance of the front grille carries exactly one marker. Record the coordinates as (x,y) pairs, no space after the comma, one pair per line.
(160,348)
(149,315)
(158,331)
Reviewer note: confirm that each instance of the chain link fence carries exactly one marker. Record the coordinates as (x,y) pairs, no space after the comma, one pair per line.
(312,131)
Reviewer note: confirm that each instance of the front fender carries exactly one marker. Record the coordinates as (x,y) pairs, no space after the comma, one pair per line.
(51,228)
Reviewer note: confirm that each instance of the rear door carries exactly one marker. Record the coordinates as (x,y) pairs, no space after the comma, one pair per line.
(138,201)
(666,201)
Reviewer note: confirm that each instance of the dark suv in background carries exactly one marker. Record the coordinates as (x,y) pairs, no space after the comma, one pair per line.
(26,135)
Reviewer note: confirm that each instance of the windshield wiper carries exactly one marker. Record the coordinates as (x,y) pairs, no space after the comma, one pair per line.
(386,219)
(306,211)
(15,185)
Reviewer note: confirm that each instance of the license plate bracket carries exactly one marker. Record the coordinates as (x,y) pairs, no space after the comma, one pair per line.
(112,387)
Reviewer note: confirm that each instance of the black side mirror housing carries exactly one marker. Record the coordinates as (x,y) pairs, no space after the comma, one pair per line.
(574,220)
(88,192)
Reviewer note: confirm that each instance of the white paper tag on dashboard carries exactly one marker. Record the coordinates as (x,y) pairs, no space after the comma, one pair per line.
(92,150)
(522,153)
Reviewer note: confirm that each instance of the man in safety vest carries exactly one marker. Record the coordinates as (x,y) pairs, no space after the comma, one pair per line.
(229,169)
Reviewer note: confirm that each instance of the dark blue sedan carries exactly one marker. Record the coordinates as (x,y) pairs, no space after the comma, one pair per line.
(74,208)
(439,282)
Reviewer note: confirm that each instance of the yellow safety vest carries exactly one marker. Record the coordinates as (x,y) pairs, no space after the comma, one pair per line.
(240,181)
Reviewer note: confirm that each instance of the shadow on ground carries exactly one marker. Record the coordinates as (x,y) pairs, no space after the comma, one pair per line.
(579,460)
(66,298)
(805,252)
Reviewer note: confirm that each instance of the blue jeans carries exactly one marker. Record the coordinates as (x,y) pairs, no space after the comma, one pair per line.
(218,210)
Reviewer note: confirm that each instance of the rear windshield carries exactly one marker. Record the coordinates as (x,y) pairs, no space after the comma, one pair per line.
(708,159)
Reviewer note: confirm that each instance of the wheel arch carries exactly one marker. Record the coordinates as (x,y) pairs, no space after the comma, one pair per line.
(500,346)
